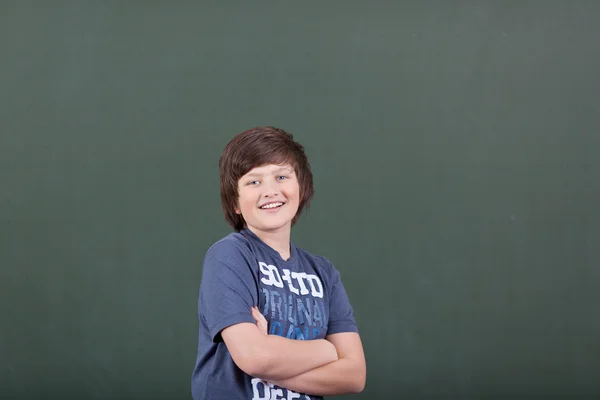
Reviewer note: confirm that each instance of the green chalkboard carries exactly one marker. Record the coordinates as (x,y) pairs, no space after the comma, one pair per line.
(455,147)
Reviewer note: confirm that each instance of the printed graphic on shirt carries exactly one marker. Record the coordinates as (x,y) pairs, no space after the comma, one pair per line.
(294,303)
(262,390)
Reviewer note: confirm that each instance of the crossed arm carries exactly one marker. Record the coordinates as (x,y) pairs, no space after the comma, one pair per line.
(345,375)
(331,366)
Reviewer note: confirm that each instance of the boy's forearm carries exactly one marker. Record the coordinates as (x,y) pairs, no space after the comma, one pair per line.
(285,358)
(343,376)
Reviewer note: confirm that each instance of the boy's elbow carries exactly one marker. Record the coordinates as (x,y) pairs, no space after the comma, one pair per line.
(251,367)
(253,362)
(247,349)
(262,365)
(358,385)
(359,380)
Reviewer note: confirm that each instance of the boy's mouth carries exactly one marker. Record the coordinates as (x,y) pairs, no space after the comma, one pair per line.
(271,205)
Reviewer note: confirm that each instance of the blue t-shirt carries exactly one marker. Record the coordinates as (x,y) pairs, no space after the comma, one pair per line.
(302,298)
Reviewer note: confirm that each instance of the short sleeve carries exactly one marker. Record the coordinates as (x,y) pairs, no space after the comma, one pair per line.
(341,315)
(228,289)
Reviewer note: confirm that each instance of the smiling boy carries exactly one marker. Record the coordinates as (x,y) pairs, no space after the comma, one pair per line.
(275,320)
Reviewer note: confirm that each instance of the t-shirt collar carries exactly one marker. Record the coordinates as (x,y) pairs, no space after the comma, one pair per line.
(293,251)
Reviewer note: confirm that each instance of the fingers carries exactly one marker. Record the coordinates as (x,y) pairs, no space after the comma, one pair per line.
(255,312)
(261,322)
(259,315)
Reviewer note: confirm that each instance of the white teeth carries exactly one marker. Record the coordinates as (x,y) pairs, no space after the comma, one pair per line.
(272,205)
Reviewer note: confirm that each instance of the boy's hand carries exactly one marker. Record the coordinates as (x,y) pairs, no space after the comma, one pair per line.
(261,322)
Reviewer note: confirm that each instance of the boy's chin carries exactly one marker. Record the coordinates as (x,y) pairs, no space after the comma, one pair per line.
(273,227)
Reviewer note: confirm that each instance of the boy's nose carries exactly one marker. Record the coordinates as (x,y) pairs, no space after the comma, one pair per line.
(270,193)
(270,190)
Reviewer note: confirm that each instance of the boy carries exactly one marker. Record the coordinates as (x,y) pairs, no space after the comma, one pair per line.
(275,321)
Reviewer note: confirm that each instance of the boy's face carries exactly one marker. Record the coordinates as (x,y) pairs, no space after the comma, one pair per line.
(269,197)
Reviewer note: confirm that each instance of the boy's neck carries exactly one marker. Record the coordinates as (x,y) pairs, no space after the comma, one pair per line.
(278,240)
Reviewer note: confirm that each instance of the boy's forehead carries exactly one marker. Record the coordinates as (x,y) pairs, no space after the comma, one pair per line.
(269,169)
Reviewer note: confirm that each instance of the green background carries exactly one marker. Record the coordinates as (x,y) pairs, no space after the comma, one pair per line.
(455,149)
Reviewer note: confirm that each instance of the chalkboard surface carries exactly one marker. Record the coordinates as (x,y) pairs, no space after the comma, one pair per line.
(455,148)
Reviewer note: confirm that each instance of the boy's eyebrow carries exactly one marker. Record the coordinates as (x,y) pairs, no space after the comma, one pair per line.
(255,174)
(287,169)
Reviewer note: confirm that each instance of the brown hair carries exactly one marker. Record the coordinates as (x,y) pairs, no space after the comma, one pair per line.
(254,148)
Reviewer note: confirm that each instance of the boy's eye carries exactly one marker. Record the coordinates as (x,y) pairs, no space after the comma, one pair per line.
(281,177)
(253,183)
